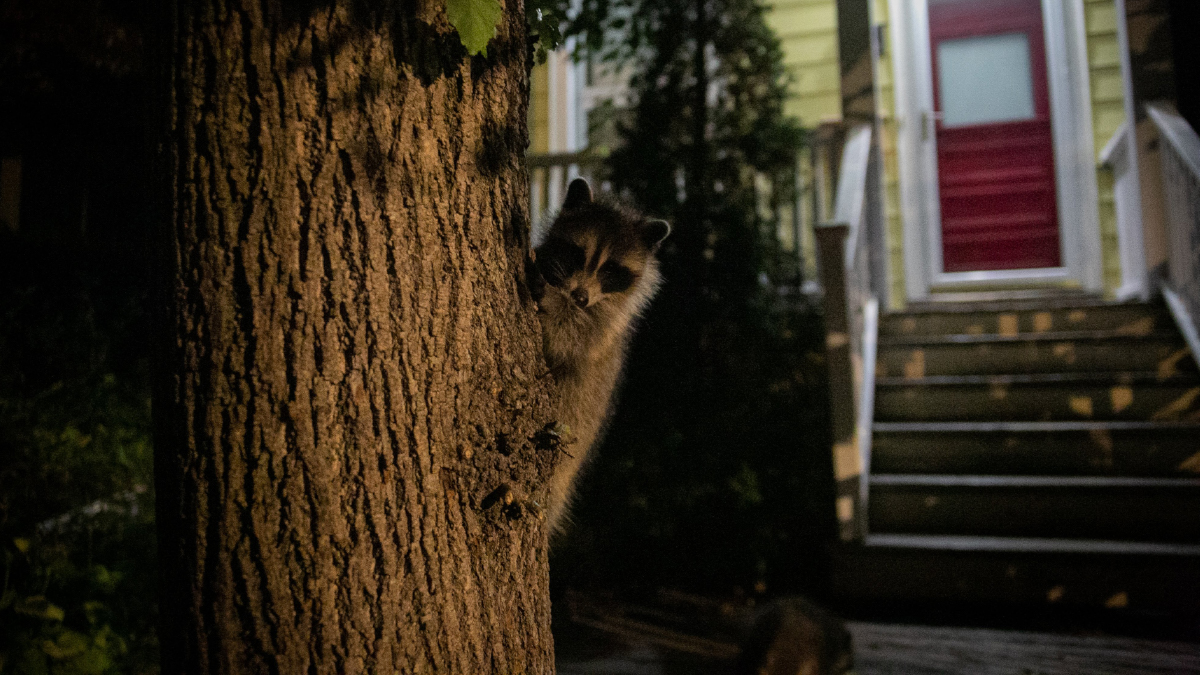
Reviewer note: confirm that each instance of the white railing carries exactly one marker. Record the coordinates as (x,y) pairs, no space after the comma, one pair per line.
(851,329)
(1119,155)
(815,195)
(1180,150)
(549,175)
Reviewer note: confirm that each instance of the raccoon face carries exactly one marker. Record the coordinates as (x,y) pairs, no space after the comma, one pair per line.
(595,253)
(585,272)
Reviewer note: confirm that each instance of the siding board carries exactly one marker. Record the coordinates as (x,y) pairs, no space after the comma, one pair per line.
(1108,114)
(807,31)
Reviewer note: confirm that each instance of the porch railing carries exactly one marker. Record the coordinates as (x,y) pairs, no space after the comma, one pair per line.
(851,328)
(549,175)
(1180,150)
(815,192)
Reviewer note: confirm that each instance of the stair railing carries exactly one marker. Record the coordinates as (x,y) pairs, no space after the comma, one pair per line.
(1181,186)
(851,329)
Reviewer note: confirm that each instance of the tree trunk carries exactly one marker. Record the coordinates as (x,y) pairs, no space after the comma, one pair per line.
(349,457)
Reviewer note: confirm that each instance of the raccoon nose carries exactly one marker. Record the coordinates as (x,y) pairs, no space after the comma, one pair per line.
(580,296)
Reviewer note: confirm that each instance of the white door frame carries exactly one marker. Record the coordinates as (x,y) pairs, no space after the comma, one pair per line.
(1074,156)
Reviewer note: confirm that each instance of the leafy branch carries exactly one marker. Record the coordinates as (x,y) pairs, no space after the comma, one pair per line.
(476,22)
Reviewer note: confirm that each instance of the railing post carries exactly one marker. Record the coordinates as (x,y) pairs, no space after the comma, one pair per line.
(839,345)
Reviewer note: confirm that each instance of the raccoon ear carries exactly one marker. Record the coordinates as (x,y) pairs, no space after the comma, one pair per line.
(653,232)
(578,194)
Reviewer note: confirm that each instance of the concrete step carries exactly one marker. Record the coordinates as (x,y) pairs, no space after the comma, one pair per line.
(1145,449)
(1151,510)
(1019,317)
(1012,572)
(1038,397)
(915,356)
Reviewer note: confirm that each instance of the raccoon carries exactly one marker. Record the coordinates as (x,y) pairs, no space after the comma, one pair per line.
(792,636)
(595,272)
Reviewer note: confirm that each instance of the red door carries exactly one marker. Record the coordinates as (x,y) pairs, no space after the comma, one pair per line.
(994,143)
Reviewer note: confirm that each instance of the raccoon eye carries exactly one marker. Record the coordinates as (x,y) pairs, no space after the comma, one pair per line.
(559,259)
(614,277)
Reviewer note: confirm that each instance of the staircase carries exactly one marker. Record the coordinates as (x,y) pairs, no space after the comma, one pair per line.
(1039,452)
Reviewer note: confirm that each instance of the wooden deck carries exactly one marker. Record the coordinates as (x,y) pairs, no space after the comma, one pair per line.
(612,648)
(881,649)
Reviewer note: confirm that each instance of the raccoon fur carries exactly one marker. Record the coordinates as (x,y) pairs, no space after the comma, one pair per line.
(595,272)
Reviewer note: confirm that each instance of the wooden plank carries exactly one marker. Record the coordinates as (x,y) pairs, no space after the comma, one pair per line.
(1029,544)
(1042,448)
(1031,426)
(1152,513)
(847,463)
(1165,356)
(1133,318)
(997,580)
(928,650)
(1019,338)
(1014,300)
(956,480)
(1035,401)
(1111,377)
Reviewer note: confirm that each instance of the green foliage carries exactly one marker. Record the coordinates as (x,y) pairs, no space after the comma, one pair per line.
(475,21)
(715,473)
(74,633)
(71,430)
(544,20)
(63,611)
(76,511)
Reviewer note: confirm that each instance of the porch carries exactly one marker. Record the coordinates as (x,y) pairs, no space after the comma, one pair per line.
(1029,448)
(665,638)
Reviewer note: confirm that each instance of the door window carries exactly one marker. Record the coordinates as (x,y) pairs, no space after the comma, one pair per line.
(985,79)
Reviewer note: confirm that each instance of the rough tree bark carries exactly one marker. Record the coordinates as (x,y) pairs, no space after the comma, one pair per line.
(349,456)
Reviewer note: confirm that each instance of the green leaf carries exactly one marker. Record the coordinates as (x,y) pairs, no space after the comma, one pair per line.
(91,662)
(92,610)
(40,607)
(475,21)
(105,580)
(68,644)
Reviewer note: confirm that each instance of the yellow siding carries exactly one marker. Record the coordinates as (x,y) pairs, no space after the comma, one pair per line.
(886,102)
(1108,113)
(807,31)
(539,109)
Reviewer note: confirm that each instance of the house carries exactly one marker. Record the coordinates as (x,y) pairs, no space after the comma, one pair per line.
(1016,410)
(1002,198)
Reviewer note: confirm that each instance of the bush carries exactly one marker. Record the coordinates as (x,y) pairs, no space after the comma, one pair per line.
(715,473)
(76,467)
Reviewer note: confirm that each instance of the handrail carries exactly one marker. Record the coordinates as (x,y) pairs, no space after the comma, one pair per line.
(548,159)
(1115,146)
(1180,135)
(1120,157)
(1180,156)
(851,326)
(850,203)
(1179,311)
(866,405)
